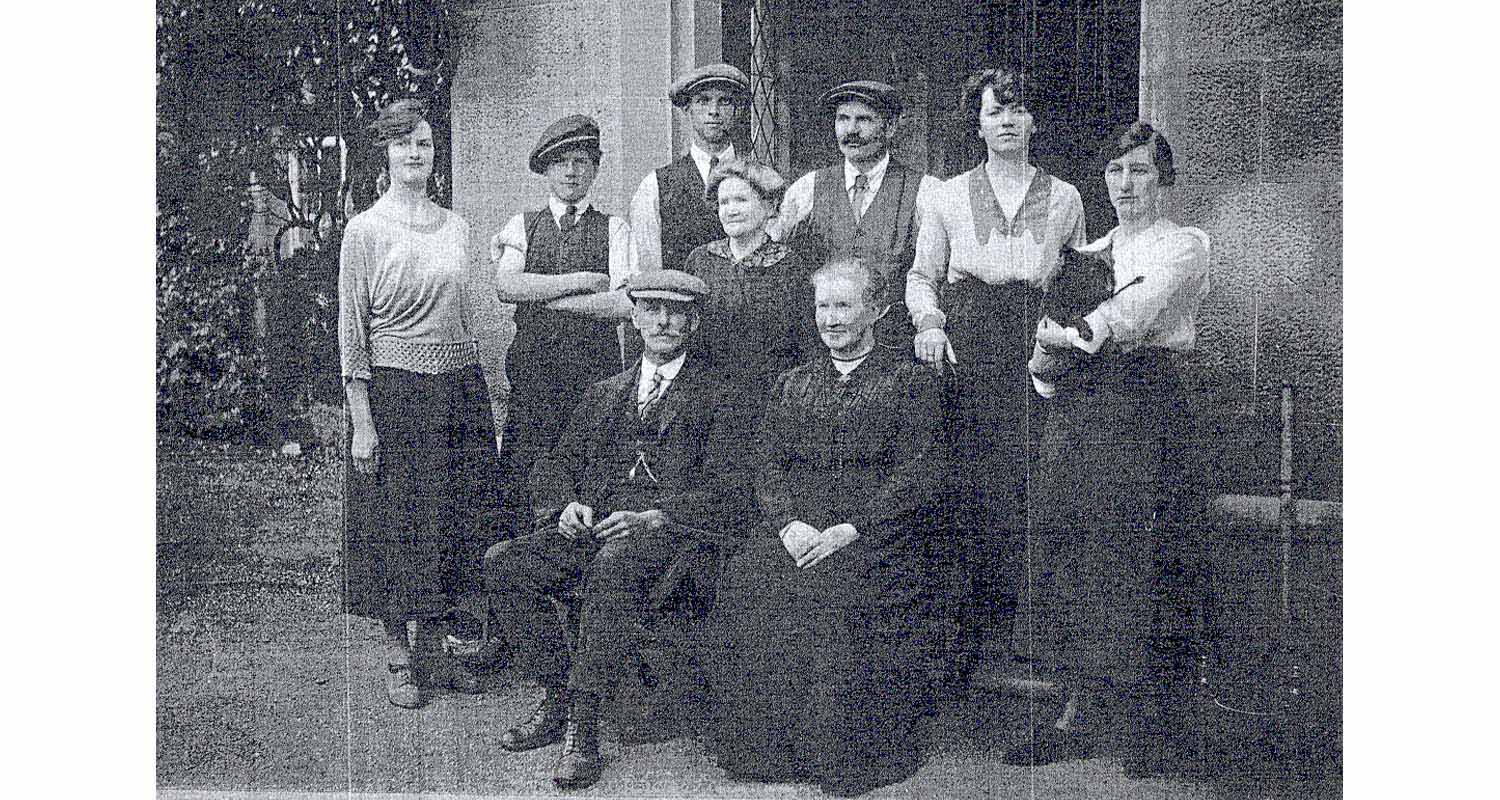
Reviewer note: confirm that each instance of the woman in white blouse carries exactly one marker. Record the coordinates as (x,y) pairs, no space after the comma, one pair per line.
(421,501)
(1110,543)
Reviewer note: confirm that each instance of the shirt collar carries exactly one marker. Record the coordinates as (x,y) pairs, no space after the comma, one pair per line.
(872,178)
(668,370)
(701,157)
(559,208)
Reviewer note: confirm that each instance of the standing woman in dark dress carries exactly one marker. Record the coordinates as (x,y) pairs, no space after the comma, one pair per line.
(421,499)
(757,323)
(1114,501)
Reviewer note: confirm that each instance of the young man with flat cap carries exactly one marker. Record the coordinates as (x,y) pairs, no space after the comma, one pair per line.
(562,266)
(644,466)
(668,218)
(866,207)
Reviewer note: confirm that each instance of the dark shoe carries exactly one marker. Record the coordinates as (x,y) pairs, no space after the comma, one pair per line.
(401,686)
(1047,746)
(543,727)
(580,764)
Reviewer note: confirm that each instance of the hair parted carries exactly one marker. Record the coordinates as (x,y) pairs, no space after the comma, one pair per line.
(850,265)
(764,179)
(1131,135)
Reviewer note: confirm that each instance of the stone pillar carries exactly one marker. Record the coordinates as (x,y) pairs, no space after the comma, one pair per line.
(1250,94)
(523,65)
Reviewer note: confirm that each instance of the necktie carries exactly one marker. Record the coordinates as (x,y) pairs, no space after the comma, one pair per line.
(653,394)
(857,196)
(713,164)
(569,218)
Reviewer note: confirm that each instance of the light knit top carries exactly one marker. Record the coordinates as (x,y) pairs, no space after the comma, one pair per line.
(964,234)
(402,296)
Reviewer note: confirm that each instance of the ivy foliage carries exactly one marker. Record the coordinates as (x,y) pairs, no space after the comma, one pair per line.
(243,88)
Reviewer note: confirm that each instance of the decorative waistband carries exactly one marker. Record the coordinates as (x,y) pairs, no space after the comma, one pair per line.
(431,358)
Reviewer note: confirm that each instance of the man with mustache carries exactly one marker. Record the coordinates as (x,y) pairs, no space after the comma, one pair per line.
(563,267)
(868,206)
(668,218)
(644,467)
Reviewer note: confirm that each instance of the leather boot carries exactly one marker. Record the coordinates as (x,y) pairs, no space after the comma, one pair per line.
(438,668)
(543,727)
(580,764)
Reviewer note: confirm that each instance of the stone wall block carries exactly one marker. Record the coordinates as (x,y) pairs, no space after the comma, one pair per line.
(1233,30)
(1304,120)
(1210,113)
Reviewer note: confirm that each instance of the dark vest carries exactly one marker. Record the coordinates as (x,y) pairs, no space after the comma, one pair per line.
(630,441)
(886,235)
(686,221)
(557,351)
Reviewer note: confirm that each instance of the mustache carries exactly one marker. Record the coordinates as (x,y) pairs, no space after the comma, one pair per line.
(854,138)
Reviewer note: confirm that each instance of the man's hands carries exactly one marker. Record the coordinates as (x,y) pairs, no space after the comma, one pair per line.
(590,282)
(808,545)
(577,522)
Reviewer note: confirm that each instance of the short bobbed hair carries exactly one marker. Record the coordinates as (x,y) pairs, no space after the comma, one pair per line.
(842,265)
(765,180)
(397,120)
(1011,85)
(1131,135)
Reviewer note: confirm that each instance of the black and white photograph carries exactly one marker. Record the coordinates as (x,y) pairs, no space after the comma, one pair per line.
(751,398)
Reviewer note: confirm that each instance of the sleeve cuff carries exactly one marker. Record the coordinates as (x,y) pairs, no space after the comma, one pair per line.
(1100,329)
(1043,388)
(929,320)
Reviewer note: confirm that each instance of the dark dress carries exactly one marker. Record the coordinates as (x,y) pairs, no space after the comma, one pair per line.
(820,673)
(758,321)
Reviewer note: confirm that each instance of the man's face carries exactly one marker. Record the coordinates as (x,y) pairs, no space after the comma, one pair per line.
(843,313)
(712,111)
(571,174)
(863,133)
(665,326)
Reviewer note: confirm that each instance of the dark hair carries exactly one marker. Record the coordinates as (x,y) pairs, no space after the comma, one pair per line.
(1129,136)
(875,283)
(1011,85)
(396,120)
(765,180)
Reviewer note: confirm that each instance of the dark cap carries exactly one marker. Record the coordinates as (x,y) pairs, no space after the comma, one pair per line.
(565,134)
(721,75)
(879,96)
(666,284)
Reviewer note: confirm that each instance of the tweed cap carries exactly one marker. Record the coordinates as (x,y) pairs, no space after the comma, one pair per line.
(722,75)
(567,133)
(879,96)
(666,284)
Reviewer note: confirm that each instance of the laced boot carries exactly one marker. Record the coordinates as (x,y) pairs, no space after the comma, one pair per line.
(580,764)
(543,727)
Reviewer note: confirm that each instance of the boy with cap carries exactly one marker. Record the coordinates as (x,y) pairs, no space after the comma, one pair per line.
(865,207)
(668,218)
(562,266)
(645,465)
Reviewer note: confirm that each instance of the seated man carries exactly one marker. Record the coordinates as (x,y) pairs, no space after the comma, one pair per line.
(627,488)
(821,665)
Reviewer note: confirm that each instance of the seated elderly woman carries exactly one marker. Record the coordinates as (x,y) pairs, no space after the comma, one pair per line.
(1112,538)
(755,324)
(819,663)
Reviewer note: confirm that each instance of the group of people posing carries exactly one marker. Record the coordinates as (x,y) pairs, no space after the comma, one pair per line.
(851,415)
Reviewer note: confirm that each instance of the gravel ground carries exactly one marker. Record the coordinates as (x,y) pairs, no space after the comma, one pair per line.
(264,688)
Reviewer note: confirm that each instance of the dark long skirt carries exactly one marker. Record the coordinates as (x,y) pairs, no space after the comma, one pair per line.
(415,533)
(1113,541)
(994,422)
(819,674)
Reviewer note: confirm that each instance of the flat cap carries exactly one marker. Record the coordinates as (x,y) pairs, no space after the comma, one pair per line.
(666,284)
(721,75)
(879,96)
(567,133)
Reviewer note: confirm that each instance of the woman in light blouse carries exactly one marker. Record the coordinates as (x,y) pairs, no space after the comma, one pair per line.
(990,239)
(421,499)
(1111,542)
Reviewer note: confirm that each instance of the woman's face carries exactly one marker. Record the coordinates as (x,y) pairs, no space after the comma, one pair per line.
(409,157)
(742,211)
(1005,127)
(1133,182)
